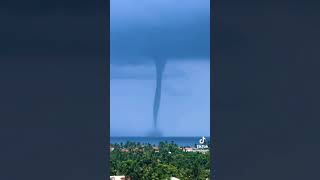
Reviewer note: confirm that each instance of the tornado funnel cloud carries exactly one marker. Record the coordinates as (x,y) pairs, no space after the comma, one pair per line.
(160,66)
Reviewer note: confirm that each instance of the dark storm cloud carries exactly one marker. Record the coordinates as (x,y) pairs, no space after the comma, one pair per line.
(166,29)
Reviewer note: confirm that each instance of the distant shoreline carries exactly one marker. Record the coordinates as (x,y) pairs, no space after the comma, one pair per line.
(180,141)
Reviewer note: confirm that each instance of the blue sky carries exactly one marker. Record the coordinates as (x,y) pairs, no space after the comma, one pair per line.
(179,33)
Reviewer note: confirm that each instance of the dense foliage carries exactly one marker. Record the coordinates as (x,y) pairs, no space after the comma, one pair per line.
(144,162)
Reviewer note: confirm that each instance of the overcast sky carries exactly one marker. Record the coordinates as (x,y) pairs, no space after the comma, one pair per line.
(141,30)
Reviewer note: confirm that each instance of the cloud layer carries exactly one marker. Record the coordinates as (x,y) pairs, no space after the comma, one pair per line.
(165,29)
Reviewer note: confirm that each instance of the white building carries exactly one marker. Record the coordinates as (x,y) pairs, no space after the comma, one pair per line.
(174,178)
(123,178)
(188,149)
(117,177)
(195,150)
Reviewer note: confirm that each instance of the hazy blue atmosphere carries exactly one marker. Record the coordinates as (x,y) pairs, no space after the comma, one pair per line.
(144,34)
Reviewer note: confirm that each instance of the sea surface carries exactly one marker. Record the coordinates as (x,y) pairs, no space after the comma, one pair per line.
(180,141)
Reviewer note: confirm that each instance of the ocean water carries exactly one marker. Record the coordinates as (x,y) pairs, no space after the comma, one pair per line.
(180,141)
